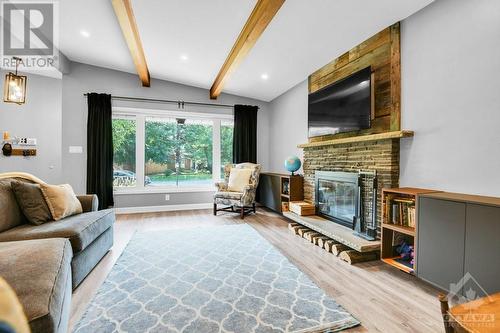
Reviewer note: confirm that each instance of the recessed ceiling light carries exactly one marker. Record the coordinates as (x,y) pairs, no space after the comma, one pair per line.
(85,33)
(184,57)
(264,76)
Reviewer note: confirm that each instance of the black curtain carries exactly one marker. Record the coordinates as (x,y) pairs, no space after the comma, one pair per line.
(245,134)
(100,149)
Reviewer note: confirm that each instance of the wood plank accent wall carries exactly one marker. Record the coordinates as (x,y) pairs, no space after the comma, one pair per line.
(382,53)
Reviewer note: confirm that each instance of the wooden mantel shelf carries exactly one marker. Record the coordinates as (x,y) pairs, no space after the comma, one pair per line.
(362,138)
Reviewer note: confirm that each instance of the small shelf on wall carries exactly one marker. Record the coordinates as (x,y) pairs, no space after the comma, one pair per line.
(400,224)
(361,138)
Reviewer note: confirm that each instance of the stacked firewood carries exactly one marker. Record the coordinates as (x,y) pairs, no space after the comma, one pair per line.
(330,245)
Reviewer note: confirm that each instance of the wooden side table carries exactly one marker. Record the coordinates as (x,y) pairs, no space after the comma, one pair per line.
(478,316)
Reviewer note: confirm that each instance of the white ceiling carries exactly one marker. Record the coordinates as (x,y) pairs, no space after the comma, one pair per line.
(304,36)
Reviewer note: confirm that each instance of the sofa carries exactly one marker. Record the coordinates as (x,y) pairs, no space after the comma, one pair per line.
(44,263)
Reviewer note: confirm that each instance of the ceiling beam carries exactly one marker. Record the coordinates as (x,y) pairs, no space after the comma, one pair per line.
(126,18)
(262,14)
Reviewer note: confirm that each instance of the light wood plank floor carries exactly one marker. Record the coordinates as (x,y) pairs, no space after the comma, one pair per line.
(381,297)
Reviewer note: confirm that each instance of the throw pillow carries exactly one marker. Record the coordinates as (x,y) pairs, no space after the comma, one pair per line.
(31,201)
(238,179)
(61,200)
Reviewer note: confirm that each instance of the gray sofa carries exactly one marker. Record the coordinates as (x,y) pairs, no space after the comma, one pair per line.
(80,242)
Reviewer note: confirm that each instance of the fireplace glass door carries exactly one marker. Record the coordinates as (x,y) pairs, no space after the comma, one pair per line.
(337,200)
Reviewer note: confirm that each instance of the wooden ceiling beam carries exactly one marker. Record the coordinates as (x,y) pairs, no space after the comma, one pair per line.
(126,18)
(262,14)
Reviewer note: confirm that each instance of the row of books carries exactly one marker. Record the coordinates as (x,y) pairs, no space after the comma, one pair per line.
(401,211)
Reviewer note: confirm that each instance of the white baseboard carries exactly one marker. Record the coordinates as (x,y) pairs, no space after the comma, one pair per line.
(165,208)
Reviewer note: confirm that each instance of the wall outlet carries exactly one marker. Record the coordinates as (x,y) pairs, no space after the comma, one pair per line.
(27,142)
(167,197)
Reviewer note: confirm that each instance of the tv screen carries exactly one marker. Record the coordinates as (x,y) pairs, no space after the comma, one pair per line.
(343,106)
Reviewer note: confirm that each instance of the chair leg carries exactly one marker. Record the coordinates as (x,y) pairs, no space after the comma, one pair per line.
(448,327)
(215,209)
(253,207)
(242,212)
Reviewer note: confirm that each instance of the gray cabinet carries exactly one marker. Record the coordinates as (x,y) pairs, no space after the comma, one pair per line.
(482,248)
(459,241)
(441,232)
(269,191)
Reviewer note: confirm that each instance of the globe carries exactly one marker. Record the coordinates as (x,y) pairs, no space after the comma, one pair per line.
(292,164)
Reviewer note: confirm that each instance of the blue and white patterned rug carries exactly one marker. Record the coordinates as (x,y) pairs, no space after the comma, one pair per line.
(204,280)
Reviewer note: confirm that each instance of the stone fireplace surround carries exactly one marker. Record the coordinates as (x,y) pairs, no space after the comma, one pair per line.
(381,156)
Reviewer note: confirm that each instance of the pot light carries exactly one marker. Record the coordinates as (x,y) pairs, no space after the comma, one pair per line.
(15,87)
(264,76)
(184,57)
(85,33)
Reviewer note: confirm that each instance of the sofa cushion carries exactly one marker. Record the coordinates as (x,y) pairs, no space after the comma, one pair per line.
(39,271)
(30,200)
(81,230)
(10,213)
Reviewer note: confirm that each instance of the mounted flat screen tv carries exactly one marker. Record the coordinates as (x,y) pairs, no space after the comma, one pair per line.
(343,106)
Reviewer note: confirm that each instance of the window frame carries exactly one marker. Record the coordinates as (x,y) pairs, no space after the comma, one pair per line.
(140,115)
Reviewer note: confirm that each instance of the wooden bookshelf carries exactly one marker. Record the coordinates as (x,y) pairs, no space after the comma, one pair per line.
(400,221)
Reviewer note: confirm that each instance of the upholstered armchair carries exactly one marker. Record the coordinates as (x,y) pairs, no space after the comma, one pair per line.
(244,198)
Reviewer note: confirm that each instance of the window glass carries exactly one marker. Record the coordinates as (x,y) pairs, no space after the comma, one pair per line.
(178,152)
(124,152)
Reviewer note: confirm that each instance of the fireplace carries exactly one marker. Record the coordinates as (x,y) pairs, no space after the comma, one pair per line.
(338,196)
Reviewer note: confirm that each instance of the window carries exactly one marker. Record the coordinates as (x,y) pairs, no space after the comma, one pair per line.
(226,144)
(179,152)
(168,149)
(124,152)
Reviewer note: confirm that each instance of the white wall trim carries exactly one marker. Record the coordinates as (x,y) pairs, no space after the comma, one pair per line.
(164,208)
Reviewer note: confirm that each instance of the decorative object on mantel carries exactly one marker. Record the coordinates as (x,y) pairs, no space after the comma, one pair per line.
(292,164)
(15,86)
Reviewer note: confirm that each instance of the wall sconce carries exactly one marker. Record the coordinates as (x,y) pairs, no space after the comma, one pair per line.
(15,87)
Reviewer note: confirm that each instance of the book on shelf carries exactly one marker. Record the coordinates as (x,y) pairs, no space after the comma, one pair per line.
(401,211)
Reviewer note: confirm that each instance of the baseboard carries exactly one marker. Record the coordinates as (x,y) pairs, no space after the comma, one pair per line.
(165,208)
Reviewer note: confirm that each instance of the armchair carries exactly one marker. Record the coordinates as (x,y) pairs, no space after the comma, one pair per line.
(244,201)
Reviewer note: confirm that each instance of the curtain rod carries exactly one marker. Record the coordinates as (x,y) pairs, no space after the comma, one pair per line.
(180,103)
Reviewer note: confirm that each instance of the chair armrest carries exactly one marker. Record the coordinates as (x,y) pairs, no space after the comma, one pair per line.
(221,186)
(90,202)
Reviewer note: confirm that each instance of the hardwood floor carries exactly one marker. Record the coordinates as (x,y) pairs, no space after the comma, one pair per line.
(380,296)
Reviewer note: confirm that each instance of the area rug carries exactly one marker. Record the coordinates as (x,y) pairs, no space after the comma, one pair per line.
(204,280)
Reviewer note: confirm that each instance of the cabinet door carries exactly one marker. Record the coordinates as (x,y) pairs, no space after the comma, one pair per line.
(482,249)
(441,232)
(269,192)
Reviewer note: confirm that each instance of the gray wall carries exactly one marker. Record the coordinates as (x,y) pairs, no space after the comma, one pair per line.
(450,98)
(288,126)
(85,78)
(40,117)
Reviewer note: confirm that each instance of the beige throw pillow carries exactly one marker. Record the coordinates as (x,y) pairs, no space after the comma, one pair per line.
(238,179)
(61,200)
